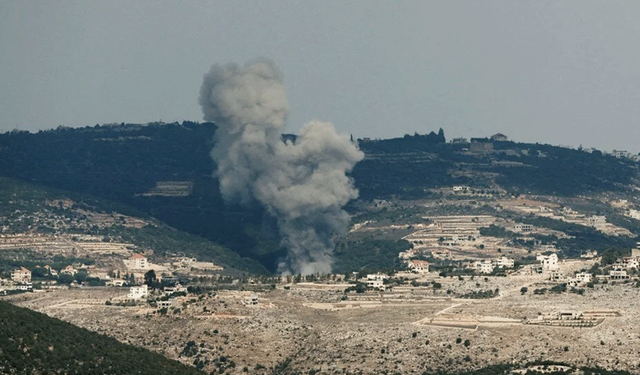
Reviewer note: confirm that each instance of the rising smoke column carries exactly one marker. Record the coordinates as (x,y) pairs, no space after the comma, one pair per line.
(304,185)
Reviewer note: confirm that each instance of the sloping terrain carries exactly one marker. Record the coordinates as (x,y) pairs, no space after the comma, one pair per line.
(33,343)
(165,171)
(53,224)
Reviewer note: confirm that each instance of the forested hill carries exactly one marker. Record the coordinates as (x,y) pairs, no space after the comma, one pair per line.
(132,164)
(405,167)
(33,343)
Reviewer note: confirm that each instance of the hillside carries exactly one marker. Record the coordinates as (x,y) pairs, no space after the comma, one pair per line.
(59,228)
(34,343)
(164,171)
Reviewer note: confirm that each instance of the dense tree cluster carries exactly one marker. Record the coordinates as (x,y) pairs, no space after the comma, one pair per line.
(33,343)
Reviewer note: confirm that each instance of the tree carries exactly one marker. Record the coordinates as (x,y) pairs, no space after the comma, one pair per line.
(150,278)
(524,290)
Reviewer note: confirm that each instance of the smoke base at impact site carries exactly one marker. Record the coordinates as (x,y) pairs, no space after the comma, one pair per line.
(302,184)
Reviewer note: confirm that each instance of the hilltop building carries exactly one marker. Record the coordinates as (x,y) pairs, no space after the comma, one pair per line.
(499,137)
(481,145)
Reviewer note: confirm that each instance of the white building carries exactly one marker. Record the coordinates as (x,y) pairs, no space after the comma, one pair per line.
(21,275)
(580,279)
(504,262)
(483,266)
(618,274)
(115,282)
(169,290)
(137,292)
(137,262)
(548,262)
(419,266)
(375,284)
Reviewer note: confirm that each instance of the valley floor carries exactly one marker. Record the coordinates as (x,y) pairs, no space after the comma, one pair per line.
(308,328)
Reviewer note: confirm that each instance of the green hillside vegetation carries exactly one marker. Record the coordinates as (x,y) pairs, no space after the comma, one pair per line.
(20,202)
(33,343)
(120,163)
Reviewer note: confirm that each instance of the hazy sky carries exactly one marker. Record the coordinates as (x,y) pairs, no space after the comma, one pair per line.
(559,72)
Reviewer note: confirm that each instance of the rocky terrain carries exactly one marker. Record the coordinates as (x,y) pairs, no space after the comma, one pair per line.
(309,328)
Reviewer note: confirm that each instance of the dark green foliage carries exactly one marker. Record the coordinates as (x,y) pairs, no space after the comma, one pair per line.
(121,162)
(496,231)
(584,237)
(33,343)
(368,254)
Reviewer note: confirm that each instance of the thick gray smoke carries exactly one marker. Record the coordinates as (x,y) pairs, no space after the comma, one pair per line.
(303,184)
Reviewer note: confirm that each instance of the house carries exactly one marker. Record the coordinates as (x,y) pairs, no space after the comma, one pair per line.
(499,137)
(418,266)
(483,266)
(504,262)
(548,262)
(137,292)
(375,284)
(137,262)
(618,274)
(115,282)
(461,189)
(24,287)
(580,279)
(524,228)
(68,270)
(21,275)
(174,289)
(589,254)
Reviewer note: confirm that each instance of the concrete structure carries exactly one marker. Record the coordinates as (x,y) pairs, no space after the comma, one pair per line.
(524,228)
(174,289)
(21,275)
(548,262)
(419,266)
(115,282)
(171,302)
(137,292)
(137,262)
(68,270)
(618,274)
(375,284)
(504,262)
(483,266)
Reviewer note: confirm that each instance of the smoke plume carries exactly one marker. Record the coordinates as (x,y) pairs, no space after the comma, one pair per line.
(302,184)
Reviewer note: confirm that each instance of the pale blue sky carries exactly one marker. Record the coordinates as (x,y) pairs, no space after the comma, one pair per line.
(559,72)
